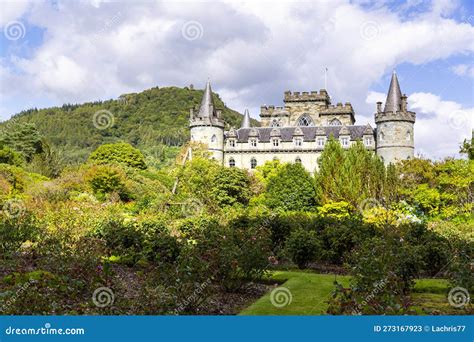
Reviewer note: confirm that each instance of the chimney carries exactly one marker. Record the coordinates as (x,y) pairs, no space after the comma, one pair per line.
(379,107)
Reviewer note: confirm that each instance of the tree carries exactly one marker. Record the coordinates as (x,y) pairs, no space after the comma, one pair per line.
(467,147)
(231,186)
(328,180)
(120,153)
(23,138)
(291,188)
(9,156)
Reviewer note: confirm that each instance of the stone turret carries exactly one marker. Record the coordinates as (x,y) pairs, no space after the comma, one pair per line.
(395,126)
(207,126)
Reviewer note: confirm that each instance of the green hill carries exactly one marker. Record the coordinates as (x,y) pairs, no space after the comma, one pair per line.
(155,120)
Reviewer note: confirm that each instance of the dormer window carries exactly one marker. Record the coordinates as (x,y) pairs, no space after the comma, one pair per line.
(275,142)
(298,142)
(232,143)
(253,142)
(368,141)
(335,122)
(345,142)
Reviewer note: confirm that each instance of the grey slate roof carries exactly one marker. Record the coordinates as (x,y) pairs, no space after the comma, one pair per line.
(394,96)
(207,104)
(287,133)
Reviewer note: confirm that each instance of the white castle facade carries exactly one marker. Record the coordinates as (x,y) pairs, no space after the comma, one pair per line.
(298,131)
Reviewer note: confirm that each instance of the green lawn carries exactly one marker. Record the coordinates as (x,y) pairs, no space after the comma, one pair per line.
(311,291)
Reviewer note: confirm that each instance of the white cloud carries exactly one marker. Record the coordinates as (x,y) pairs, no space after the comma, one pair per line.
(463,70)
(440,125)
(251,50)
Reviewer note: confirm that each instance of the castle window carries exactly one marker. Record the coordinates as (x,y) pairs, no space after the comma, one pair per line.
(320,142)
(232,143)
(305,120)
(214,138)
(408,136)
(368,141)
(231,162)
(298,160)
(298,142)
(275,123)
(335,122)
(345,141)
(382,136)
(275,142)
(253,142)
(253,163)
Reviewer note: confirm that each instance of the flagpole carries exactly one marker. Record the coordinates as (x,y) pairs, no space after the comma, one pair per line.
(326,78)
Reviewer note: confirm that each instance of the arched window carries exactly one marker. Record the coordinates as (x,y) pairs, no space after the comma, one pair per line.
(253,163)
(213,138)
(305,120)
(335,122)
(275,123)
(298,160)
(408,136)
(231,162)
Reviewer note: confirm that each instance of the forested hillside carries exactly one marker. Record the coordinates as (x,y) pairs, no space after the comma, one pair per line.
(154,120)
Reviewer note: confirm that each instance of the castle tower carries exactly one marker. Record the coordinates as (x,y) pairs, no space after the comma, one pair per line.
(207,126)
(395,124)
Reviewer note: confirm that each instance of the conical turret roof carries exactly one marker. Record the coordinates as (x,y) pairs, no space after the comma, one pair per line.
(246,120)
(394,96)
(207,104)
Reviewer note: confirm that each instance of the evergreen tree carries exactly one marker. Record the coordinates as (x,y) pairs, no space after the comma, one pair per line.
(328,180)
(291,188)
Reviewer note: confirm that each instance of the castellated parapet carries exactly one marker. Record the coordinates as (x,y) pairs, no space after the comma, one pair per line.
(305,96)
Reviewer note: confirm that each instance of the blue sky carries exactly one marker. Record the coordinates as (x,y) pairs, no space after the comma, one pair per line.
(55,52)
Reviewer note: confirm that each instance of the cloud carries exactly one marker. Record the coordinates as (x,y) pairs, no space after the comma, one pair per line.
(251,50)
(440,125)
(463,70)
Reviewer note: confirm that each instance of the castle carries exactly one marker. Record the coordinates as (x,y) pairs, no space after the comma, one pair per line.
(298,131)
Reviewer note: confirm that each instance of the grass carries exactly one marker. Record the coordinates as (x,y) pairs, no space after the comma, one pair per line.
(311,291)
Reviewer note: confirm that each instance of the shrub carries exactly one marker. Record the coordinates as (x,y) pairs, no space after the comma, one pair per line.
(107,179)
(383,271)
(303,247)
(121,153)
